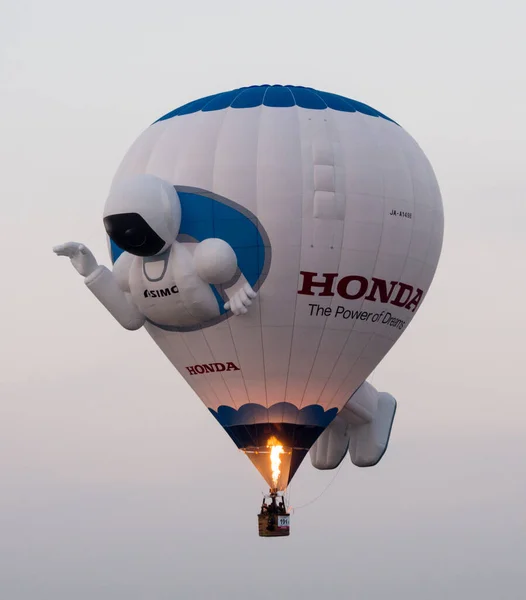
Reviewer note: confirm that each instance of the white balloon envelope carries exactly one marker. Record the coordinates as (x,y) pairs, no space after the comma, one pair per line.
(336,221)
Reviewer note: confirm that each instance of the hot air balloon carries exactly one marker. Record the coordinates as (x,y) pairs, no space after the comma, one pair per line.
(275,242)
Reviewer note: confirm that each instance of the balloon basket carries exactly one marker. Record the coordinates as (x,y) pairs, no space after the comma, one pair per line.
(273,520)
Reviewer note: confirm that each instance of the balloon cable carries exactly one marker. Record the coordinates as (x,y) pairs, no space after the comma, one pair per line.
(294,509)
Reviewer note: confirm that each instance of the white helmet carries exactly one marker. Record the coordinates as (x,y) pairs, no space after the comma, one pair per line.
(142,215)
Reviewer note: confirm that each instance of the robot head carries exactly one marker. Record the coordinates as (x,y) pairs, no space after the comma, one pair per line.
(142,215)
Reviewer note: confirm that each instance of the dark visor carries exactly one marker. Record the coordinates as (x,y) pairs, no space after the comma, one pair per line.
(132,234)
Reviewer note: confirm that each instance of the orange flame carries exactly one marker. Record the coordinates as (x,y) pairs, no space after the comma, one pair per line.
(276,450)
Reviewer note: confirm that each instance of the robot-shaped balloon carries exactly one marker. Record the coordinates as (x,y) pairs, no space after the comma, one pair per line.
(158,278)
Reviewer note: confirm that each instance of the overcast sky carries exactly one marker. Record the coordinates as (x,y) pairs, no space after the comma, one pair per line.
(115,482)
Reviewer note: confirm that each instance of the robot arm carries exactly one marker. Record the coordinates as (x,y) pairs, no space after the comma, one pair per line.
(105,288)
(103,284)
(240,296)
(215,262)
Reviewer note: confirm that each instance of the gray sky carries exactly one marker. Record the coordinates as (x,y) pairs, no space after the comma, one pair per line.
(98,441)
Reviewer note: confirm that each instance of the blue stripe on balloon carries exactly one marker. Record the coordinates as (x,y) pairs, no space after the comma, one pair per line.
(278,95)
(313,415)
(338,102)
(250,97)
(275,96)
(221,101)
(306,98)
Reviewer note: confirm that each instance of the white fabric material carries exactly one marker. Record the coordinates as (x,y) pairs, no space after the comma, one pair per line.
(215,261)
(152,198)
(105,288)
(354,219)
(363,427)
(331,447)
(336,192)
